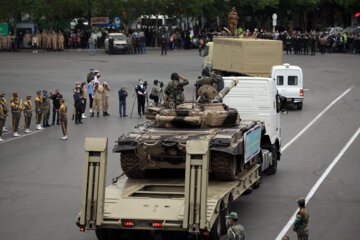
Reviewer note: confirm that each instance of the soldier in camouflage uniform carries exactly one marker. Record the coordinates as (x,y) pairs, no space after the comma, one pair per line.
(90,75)
(16,108)
(174,91)
(212,82)
(27,114)
(235,231)
(301,221)
(39,108)
(3,114)
(46,111)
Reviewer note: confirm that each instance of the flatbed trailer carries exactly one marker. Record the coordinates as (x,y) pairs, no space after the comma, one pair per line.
(194,205)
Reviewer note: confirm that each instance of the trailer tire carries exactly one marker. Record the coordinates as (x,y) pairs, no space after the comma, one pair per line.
(299,106)
(216,230)
(101,234)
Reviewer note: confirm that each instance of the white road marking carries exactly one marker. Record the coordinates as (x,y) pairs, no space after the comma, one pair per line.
(315,119)
(23,135)
(319,181)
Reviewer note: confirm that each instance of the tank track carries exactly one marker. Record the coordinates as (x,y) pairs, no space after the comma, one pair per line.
(222,166)
(128,161)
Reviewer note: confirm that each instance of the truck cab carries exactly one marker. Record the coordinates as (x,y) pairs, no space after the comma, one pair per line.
(289,82)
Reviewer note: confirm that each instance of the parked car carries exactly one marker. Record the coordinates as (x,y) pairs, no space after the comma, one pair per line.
(119,43)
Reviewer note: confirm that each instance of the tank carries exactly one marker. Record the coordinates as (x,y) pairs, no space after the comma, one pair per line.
(159,143)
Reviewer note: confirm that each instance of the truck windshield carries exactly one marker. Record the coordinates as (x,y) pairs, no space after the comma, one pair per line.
(119,37)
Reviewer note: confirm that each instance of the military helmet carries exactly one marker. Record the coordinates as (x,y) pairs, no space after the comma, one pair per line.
(301,200)
(233,215)
(206,72)
(174,76)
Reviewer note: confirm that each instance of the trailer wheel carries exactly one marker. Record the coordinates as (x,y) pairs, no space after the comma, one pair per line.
(101,234)
(215,233)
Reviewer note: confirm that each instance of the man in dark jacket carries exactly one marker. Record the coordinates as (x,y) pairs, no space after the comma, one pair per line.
(56,105)
(122,101)
(77,104)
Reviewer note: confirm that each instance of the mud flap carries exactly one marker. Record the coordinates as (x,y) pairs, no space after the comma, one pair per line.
(94,179)
(196,185)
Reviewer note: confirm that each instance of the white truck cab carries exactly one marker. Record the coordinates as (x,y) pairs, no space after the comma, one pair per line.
(289,82)
(255,98)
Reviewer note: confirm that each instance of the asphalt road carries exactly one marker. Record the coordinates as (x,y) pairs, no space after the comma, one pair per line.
(40,175)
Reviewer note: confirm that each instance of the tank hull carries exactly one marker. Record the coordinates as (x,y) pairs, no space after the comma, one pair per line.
(147,149)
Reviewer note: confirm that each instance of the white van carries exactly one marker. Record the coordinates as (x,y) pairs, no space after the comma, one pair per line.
(289,82)
(255,98)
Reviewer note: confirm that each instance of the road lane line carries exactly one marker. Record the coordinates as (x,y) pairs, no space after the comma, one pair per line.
(21,136)
(315,119)
(319,181)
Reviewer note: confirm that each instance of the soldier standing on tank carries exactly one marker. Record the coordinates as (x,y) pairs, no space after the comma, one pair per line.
(46,111)
(28,114)
(301,221)
(3,114)
(63,119)
(16,109)
(235,231)
(174,91)
(39,108)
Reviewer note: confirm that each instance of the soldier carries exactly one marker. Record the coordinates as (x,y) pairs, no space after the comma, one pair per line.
(1,43)
(3,104)
(46,110)
(39,108)
(97,99)
(84,94)
(38,35)
(60,39)
(54,41)
(233,20)
(313,44)
(235,231)
(44,39)
(14,97)
(63,119)
(16,109)
(301,221)
(105,99)
(77,104)
(9,41)
(208,85)
(174,91)
(90,75)
(27,114)
(27,39)
(48,40)
(3,114)
(288,44)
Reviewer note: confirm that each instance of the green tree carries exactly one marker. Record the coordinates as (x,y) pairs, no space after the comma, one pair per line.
(12,11)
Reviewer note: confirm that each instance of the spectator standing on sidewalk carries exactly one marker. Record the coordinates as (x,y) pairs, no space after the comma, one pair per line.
(122,101)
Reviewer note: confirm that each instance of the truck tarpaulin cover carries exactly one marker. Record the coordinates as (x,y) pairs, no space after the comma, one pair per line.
(252,143)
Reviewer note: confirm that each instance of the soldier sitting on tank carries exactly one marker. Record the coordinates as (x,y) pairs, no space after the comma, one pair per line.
(208,86)
(174,91)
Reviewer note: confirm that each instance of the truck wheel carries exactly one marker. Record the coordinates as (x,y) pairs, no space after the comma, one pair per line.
(299,105)
(273,168)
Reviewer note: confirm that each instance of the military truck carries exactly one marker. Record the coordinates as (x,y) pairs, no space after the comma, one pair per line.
(231,56)
(192,203)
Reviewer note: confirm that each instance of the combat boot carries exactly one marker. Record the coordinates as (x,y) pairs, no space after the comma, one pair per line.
(104,114)
(92,115)
(97,114)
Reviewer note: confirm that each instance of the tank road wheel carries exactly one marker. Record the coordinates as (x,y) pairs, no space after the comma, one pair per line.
(128,161)
(223,165)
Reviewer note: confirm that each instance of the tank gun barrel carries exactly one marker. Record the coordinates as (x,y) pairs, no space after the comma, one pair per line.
(226,90)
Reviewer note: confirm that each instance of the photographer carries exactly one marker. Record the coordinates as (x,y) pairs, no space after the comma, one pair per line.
(155,92)
(141,95)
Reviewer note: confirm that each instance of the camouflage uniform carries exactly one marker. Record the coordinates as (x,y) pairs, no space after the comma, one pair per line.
(16,109)
(3,113)
(46,110)
(27,114)
(174,92)
(301,224)
(236,232)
